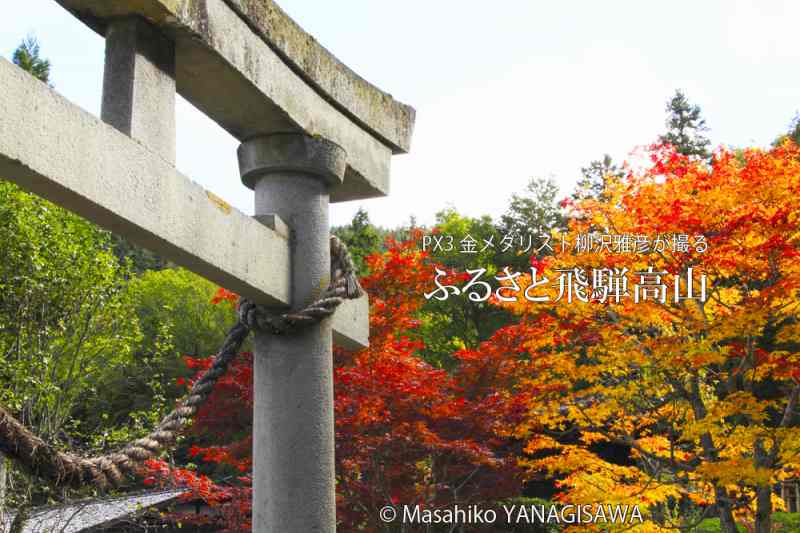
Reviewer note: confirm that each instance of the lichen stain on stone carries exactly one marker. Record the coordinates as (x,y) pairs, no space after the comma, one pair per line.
(323,285)
(171,5)
(221,204)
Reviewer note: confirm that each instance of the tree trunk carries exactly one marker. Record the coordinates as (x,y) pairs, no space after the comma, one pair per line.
(726,521)
(761,459)
(3,477)
(764,510)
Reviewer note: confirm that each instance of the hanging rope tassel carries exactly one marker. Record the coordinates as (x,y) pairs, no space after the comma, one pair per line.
(343,269)
(104,472)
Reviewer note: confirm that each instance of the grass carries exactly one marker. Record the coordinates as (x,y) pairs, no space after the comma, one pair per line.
(782,522)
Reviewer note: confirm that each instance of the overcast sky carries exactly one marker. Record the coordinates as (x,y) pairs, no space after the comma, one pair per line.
(504,91)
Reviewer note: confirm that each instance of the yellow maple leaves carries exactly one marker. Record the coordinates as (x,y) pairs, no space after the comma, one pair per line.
(690,387)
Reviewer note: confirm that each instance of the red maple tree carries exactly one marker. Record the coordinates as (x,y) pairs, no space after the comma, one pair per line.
(406,432)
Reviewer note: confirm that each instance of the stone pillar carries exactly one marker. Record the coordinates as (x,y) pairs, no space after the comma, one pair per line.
(293,434)
(139,84)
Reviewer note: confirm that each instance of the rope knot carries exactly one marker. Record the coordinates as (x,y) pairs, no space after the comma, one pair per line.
(344,285)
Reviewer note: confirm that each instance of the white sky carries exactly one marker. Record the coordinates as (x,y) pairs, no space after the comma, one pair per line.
(504,91)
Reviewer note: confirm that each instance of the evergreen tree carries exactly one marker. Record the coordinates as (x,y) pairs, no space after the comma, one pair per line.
(685,127)
(27,56)
(792,133)
(794,130)
(594,178)
(533,210)
(362,239)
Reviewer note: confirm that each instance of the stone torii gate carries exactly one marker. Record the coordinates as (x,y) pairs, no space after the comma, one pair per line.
(312,132)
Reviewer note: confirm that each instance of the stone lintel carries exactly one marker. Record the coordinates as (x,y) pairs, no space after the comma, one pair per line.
(351,324)
(250,68)
(73,159)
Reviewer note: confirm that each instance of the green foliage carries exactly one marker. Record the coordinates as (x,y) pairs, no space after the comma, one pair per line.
(66,324)
(90,352)
(362,239)
(64,320)
(27,56)
(173,310)
(180,300)
(786,521)
(685,127)
(458,322)
(141,259)
(712,525)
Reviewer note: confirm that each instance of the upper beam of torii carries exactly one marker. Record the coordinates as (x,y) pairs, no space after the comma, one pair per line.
(253,70)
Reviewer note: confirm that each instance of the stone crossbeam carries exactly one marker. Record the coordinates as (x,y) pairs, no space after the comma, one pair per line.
(56,150)
(251,69)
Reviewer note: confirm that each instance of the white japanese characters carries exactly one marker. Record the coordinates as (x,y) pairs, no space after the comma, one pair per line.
(599,285)
(545,243)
